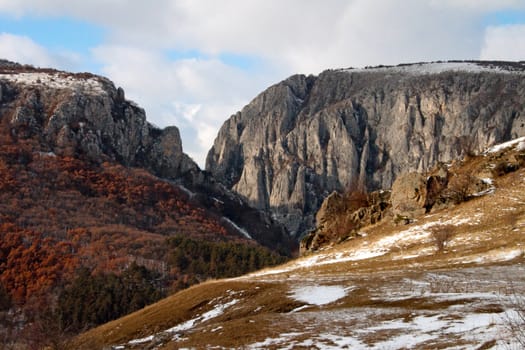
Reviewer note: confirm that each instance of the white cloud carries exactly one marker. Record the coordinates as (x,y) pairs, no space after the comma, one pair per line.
(23,49)
(286,37)
(196,95)
(480,5)
(504,43)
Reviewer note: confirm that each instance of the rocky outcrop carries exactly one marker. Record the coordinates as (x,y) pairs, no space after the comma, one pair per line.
(342,215)
(409,195)
(413,195)
(305,137)
(85,116)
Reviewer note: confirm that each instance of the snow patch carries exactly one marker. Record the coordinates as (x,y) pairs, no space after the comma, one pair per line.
(187,191)
(436,68)
(237,227)
(488,181)
(187,325)
(498,256)
(141,340)
(318,295)
(217,311)
(269,342)
(56,81)
(518,143)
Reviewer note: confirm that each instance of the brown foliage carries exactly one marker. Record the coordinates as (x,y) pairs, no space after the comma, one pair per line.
(60,213)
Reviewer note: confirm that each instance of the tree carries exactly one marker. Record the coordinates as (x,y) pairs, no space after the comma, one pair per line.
(5,299)
(91,300)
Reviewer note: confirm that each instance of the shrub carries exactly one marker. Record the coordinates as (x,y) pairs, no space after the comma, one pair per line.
(504,167)
(459,187)
(515,320)
(5,299)
(441,236)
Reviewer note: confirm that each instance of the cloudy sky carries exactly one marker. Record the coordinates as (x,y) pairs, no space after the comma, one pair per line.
(193,63)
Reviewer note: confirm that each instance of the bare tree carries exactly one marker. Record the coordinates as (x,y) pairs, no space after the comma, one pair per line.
(459,187)
(441,236)
(514,319)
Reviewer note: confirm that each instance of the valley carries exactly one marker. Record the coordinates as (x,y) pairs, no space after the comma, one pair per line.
(402,188)
(391,288)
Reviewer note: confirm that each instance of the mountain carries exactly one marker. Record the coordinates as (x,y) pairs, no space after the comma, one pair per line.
(94,198)
(450,279)
(349,129)
(84,116)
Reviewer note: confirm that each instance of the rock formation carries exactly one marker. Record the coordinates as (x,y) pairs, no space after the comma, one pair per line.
(409,195)
(307,136)
(342,215)
(87,117)
(84,114)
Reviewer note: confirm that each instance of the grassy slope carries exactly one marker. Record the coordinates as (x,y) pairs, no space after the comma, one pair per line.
(408,294)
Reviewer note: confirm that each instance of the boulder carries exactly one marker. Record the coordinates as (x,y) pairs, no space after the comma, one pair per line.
(409,195)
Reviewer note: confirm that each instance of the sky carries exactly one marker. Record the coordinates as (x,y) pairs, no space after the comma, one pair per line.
(194,63)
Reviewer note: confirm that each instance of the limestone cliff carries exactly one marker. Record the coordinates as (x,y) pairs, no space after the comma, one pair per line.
(305,137)
(85,116)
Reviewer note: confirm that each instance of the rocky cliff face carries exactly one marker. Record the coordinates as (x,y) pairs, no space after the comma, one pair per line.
(85,116)
(308,136)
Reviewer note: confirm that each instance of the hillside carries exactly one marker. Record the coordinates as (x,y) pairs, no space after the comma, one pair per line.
(92,194)
(307,136)
(450,279)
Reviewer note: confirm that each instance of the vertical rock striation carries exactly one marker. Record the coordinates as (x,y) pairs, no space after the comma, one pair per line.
(305,137)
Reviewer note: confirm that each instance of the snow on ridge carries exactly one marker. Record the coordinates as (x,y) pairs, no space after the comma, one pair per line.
(217,311)
(369,249)
(436,68)
(238,228)
(185,326)
(56,81)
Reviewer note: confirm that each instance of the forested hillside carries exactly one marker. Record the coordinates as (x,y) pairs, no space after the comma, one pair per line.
(89,230)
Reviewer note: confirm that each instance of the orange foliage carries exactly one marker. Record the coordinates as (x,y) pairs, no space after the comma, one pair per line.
(59,213)
(31,264)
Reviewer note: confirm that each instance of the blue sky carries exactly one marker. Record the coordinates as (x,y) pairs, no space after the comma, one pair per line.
(193,63)
(55,33)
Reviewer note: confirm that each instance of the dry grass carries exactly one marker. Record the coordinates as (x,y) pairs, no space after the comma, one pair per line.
(496,226)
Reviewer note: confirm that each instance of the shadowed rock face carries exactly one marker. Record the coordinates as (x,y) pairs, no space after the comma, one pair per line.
(305,137)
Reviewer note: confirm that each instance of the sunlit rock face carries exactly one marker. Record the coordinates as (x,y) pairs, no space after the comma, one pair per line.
(305,137)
